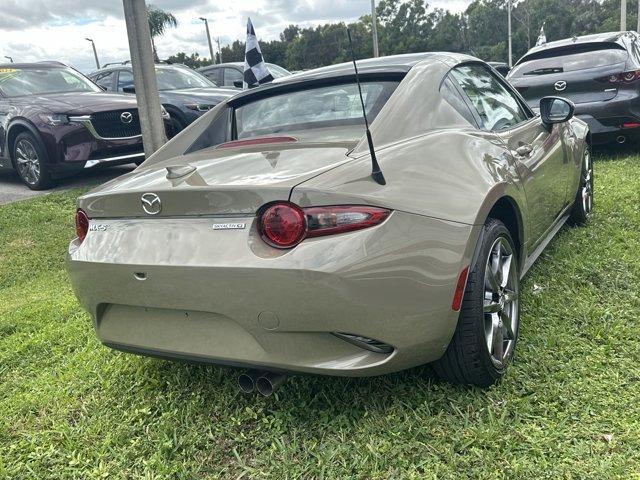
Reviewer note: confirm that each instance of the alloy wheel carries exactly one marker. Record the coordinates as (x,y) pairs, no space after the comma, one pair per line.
(501,296)
(586,184)
(27,162)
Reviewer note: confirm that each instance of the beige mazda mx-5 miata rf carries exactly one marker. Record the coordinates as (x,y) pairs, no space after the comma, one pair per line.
(265,235)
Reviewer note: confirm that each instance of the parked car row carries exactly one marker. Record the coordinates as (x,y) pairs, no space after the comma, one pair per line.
(599,73)
(54,121)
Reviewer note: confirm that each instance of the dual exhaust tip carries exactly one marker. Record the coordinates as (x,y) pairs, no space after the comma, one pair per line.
(265,383)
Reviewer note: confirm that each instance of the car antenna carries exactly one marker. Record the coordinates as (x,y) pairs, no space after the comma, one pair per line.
(376,173)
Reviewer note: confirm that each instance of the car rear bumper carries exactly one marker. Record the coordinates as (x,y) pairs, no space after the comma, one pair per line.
(606,119)
(177,288)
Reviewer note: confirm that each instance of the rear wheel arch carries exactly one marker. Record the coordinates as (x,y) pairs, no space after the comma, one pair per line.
(507,211)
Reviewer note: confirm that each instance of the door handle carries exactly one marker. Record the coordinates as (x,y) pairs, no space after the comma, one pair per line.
(524,150)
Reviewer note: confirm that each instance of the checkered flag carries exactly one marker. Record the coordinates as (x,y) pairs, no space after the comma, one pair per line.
(255,70)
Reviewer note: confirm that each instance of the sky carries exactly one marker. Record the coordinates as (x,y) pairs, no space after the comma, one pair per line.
(34,30)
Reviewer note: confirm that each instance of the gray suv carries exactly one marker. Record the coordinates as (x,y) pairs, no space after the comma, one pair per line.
(599,73)
(184,93)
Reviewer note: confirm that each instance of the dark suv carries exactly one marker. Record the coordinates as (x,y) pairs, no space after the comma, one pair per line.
(55,121)
(183,92)
(599,73)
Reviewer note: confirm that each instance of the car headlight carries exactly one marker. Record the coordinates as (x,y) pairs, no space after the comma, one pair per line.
(165,114)
(199,107)
(54,119)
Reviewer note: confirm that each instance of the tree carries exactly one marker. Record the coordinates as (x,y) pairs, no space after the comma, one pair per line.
(159,21)
(407,26)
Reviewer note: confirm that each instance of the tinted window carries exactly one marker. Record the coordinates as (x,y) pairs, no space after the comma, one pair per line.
(231,75)
(497,107)
(330,106)
(570,60)
(125,79)
(15,82)
(213,74)
(105,80)
(452,96)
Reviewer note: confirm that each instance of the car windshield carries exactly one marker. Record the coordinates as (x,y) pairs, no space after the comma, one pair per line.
(277,71)
(176,78)
(322,107)
(17,82)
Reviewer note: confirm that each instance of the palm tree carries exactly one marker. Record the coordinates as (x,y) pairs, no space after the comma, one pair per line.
(159,21)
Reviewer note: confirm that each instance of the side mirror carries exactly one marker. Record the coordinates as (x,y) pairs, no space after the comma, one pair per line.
(129,89)
(556,110)
(237,84)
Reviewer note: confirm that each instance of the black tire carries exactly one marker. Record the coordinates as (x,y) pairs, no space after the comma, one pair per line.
(468,359)
(34,172)
(583,203)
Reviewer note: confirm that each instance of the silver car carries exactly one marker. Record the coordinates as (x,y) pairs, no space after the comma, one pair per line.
(263,237)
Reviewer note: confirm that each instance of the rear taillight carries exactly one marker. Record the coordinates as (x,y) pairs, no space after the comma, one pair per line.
(282,225)
(285,225)
(621,78)
(82,225)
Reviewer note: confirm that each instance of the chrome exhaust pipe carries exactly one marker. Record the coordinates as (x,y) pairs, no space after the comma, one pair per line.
(247,380)
(621,139)
(268,382)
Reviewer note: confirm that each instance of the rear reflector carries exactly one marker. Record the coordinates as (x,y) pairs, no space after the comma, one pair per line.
(257,141)
(631,125)
(459,293)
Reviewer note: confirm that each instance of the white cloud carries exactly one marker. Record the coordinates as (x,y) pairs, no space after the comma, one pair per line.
(33,30)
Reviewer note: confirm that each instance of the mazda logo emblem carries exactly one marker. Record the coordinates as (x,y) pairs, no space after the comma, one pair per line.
(151,203)
(126,117)
(560,86)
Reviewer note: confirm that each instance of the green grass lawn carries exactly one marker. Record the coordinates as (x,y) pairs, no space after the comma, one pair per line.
(568,408)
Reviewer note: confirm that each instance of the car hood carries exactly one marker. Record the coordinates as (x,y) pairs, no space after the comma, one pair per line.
(82,103)
(209,95)
(224,181)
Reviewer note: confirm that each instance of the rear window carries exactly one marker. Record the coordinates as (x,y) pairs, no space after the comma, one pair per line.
(330,106)
(569,60)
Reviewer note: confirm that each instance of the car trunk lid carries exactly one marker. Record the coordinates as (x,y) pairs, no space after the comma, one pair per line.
(217,181)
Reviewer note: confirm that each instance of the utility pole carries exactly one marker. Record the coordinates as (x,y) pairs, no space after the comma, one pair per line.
(206,24)
(144,76)
(510,37)
(374,29)
(219,50)
(623,15)
(95,52)
(9,58)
